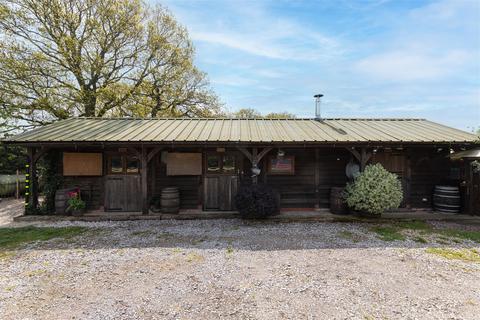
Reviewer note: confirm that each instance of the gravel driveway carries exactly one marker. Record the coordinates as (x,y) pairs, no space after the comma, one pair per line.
(231,269)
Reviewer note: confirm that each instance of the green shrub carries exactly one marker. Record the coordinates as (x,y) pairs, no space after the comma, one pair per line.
(257,201)
(374,191)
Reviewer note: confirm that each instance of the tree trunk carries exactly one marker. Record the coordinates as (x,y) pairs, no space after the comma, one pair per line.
(90,102)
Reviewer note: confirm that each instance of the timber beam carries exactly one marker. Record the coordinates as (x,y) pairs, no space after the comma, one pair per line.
(145,158)
(362,157)
(255,157)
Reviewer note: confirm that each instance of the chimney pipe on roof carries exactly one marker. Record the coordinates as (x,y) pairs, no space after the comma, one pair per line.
(318,115)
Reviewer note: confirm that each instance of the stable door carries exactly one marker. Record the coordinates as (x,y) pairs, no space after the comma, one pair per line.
(122,183)
(221,181)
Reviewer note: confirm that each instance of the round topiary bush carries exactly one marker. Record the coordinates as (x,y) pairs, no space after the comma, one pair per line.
(257,201)
(374,191)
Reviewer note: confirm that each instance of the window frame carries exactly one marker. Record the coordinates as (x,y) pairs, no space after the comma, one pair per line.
(124,161)
(221,156)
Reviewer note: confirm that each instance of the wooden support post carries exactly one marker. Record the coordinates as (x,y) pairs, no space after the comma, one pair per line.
(32,185)
(254,164)
(17,186)
(317,178)
(362,157)
(255,157)
(144,182)
(408,180)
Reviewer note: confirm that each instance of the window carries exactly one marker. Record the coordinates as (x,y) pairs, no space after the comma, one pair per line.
(228,165)
(133,164)
(123,164)
(281,166)
(116,164)
(221,163)
(213,164)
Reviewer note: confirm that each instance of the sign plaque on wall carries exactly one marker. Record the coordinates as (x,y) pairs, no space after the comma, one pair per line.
(281,165)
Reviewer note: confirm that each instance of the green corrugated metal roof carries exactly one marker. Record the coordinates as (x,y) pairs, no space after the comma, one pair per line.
(243,130)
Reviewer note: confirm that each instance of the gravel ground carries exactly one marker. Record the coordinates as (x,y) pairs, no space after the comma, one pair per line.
(232,269)
(10,208)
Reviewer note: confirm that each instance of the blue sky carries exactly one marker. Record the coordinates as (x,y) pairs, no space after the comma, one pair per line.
(374,58)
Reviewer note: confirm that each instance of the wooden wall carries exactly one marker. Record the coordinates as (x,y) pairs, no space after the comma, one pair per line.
(420,168)
(299,190)
(91,188)
(428,168)
(189,186)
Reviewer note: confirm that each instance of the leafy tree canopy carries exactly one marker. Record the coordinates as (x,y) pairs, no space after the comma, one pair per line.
(63,58)
(249,113)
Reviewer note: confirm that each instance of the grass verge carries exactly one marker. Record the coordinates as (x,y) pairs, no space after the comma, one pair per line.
(419,230)
(12,238)
(388,233)
(463,254)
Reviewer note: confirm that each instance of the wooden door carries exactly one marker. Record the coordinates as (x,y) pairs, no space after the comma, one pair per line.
(471,190)
(220,192)
(123,193)
(221,181)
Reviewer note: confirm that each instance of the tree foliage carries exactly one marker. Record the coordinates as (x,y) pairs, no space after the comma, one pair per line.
(63,58)
(12,158)
(280,115)
(249,113)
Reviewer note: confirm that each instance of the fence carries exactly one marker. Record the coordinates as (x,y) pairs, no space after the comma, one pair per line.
(12,185)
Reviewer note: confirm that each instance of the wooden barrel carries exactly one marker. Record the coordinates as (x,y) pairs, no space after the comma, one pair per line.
(170,200)
(61,200)
(337,204)
(446,199)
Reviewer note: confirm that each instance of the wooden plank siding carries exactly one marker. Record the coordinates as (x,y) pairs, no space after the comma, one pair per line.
(91,188)
(421,168)
(189,186)
(428,168)
(298,191)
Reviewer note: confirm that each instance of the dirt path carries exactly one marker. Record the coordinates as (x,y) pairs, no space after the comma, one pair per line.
(10,208)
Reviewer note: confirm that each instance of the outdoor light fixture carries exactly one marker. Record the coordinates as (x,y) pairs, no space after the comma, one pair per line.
(280,153)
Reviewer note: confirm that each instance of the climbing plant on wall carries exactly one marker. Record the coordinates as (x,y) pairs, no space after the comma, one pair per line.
(50,179)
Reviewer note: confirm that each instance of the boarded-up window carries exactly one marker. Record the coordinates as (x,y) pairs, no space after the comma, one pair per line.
(82,164)
(184,164)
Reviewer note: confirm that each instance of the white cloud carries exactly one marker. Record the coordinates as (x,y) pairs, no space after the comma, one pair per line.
(407,65)
(254,30)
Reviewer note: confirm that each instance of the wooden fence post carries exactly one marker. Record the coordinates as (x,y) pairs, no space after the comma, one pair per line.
(17,189)
(144,182)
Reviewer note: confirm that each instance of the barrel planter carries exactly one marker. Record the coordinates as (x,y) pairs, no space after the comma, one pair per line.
(337,203)
(446,199)
(170,200)
(61,200)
